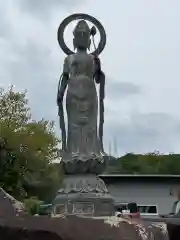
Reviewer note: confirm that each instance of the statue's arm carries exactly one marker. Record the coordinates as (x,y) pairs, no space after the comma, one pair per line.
(99,77)
(63,82)
(98,73)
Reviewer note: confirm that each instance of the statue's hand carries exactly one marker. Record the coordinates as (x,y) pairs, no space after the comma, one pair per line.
(97,63)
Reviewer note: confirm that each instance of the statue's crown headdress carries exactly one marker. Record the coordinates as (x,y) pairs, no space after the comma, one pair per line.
(82,27)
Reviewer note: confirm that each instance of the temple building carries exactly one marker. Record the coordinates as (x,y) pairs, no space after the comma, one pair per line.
(152,193)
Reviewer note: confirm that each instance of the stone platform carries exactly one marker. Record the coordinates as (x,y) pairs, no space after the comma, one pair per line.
(83,195)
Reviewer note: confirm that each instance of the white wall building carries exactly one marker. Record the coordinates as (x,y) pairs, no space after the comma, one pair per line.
(148,191)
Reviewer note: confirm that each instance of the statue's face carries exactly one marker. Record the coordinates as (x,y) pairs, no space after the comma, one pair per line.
(82,41)
(82,35)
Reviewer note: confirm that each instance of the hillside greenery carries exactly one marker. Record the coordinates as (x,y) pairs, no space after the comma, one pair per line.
(150,163)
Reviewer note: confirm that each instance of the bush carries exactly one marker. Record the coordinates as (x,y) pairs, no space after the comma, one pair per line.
(32,205)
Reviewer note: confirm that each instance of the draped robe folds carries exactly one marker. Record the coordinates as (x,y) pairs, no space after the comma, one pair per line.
(81,107)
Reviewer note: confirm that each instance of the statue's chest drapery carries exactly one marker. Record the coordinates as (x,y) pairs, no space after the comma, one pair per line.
(81,93)
(81,64)
(81,84)
(82,87)
(82,97)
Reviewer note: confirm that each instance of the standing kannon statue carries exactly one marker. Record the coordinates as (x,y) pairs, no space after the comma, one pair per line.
(82,145)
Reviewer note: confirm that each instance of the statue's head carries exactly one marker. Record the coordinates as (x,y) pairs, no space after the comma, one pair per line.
(81,36)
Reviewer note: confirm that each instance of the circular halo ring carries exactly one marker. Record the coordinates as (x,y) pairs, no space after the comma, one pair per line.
(86,17)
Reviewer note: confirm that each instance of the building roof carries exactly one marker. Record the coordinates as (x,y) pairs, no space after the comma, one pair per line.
(109,178)
(140,175)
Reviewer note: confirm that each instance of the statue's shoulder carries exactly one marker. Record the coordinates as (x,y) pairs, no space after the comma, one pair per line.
(91,56)
(68,59)
(94,58)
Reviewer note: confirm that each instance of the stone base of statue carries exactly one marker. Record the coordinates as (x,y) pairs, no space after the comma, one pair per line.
(83,195)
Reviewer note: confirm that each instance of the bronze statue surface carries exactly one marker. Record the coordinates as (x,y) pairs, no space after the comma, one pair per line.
(83,154)
(82,145)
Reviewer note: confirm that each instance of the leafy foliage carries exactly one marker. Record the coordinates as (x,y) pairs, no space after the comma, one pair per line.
(150,163)
(32,205)
(13,107)
(27,148)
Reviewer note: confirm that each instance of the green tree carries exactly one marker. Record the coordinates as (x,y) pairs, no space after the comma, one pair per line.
(150,163)
(14,107)
(26,158)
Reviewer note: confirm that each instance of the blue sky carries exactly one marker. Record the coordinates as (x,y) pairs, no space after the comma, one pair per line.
(141,62)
